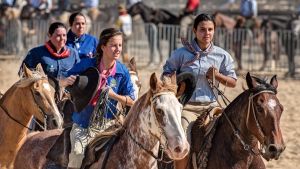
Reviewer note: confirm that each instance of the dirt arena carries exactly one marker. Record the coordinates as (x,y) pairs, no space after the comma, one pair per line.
(288,94)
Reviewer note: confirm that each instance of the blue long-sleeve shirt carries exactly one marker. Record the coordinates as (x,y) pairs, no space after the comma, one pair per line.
(120,83)
(181,60)
(52,66)
(249,8)
(85,45)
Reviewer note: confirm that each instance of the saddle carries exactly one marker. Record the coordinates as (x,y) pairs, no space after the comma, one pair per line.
(202,133)
(101,145)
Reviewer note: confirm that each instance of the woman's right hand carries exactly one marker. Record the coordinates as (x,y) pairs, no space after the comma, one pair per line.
(67,81)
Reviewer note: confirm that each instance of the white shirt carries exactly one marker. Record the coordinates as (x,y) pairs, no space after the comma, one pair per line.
(125,24)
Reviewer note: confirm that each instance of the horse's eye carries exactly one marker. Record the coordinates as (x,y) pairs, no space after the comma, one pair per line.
(260,101)
(159,111)
(37,93)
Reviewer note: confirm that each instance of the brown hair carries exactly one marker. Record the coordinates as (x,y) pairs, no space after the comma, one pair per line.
(104,37)
(73,16)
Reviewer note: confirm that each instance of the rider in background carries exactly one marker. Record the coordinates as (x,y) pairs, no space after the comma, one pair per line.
(84,43)
(208,63)
(124,23)
(249,10)
(187,15)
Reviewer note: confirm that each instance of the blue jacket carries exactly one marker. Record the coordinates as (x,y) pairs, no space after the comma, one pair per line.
(55,67)
(249,8)
(85,45)
(120,83)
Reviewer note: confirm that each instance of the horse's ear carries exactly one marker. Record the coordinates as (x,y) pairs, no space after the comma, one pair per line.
(132,64)
(274,81)
(251,82)
(173,78)
(153,82)
(39,68)
(27,72)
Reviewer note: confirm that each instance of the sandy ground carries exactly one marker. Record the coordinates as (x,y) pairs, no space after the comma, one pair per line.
(288,94)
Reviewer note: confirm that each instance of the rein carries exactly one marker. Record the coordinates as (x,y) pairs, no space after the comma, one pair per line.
(17,121)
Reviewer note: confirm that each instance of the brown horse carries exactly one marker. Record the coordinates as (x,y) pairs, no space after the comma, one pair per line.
(31,96)
(154,119)
(248,129)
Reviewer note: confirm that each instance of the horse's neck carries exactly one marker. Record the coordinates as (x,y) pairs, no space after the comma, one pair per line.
(236,112)
(13,132)
(14,106)
(142,129)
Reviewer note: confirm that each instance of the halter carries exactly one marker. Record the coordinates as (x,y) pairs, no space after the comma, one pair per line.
(40,109)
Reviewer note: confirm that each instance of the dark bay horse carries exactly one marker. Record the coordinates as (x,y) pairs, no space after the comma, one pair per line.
(155,16)
(30,96)
(158,16)
(247,129)
(154,119)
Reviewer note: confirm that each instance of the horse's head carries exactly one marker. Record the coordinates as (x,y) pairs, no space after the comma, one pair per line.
(134,77)
(168,114)
(264,114)
(142,9)
(40,97)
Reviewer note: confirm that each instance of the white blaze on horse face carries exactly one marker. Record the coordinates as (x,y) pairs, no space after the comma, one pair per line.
(178,146)
(272,104)
(47,87)
(134,79)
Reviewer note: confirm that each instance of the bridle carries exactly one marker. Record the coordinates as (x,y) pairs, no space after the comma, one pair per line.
(160,155)
(253,109)
(40,110)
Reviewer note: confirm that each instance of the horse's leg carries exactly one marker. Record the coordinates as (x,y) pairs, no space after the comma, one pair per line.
(290,50)
(265,47)
(257,163)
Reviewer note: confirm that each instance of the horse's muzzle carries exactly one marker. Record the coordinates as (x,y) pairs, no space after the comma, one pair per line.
(273,151)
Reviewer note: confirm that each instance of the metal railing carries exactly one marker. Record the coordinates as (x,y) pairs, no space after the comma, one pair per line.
(151,44)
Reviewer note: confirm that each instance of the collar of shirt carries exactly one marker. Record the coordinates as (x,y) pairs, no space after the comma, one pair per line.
(72,37)
(197,48)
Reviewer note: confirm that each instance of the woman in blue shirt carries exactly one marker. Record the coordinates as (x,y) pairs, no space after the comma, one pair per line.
(55,57)
(207,62)
(114,76)
(84,43)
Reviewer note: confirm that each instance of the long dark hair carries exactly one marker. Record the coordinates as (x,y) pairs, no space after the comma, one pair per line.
(104,37)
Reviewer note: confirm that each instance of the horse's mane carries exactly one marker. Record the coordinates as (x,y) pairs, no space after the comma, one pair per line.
(236,105)
(24,81)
